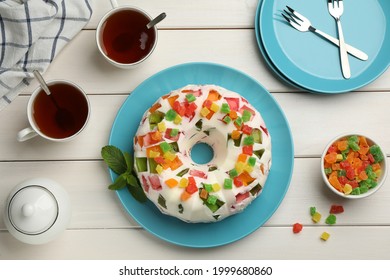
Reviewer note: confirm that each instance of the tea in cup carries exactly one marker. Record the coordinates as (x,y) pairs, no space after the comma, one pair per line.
(59,116)
(123,38)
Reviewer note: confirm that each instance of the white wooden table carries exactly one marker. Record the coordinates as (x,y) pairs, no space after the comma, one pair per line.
(220,31)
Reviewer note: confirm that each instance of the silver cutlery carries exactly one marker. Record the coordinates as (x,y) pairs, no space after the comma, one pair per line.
(301,23)
(336,9)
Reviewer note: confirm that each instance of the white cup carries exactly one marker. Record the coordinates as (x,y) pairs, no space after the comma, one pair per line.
(79,121)
(122,58)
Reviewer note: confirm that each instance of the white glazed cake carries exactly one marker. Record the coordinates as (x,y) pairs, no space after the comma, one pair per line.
(196,192)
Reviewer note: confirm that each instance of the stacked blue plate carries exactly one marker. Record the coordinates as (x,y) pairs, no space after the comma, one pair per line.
(309,62)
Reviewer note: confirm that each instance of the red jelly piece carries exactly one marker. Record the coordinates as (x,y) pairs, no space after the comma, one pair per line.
(336,209)
(297,228)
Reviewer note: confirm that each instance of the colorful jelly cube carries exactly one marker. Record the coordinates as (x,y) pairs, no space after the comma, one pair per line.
(216,187)
(316,217)
(325,236)
(227,184)
(252,161)
(161,126)
(331,219)
(313,210)
(233,173)
(249,140)
(170,115)
(183,182)
(214,107)
(212,199)
(225,108)
(165,147)
(208,187)
(297,228)
(177,119)
(204,112)
(227,119)
(246,116)
(190,98)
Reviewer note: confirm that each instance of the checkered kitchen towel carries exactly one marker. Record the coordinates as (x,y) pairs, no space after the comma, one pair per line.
(32,32)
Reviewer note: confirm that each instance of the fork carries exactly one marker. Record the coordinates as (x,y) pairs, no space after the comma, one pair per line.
(336,11)
(301,23)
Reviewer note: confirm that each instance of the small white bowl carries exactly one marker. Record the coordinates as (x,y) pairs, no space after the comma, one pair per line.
(380,180)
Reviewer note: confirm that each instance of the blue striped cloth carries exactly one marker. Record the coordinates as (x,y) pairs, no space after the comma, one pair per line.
(32,33)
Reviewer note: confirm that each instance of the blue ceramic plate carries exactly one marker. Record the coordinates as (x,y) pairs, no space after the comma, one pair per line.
(256,214)
(313,63)
(262,50)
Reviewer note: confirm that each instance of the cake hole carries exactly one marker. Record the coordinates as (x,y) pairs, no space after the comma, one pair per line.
(202,153)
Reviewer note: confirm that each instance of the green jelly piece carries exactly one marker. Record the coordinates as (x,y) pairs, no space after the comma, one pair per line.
(313,210)
(214,207)
(259,153)
(165,147)
(246,116)
(152,166)
(174,132)
(212,168)
(353,138)
(257,135)
(183,172)
(252,161)
(227,119)
(256,189)
(354,146)
(141,163)
(208,187)
(174,146)
(155,118)
(228,184)
(225,108)
(170,115)
(162,202)
(249,140)
(363,189)
(340,173)
(328,170)
(377,153)
(190,98)
(181,208)
(199,124)
(330,220)
(233,173)
(212,199)
(238,121)
(356,191)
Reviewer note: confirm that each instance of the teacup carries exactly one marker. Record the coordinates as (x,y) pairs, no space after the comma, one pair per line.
(123,38)
(60,116)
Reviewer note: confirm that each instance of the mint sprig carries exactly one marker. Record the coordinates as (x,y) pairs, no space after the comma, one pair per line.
(122,164)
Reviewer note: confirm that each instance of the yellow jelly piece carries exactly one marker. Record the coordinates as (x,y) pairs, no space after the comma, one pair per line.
(325,236)
(169,156)
(248,168)
(216,187)
(183,182)
(378,173)
(159,169)
(204,112)
(316,217)
(339,157)
(154,154)
(347,189)
(177,119)
(214,107)
(240,166)
(161,126)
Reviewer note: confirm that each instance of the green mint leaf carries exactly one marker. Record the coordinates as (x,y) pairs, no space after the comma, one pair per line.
(137,193)
(132,180)
(114,158)
(129,161)
(120,183)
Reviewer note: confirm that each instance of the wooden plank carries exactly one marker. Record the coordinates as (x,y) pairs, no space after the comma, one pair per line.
(266,243)
(94,206)
(310,129)
(189,14)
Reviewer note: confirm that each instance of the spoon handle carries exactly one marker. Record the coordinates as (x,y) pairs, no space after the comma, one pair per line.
(156,20)
(41,81)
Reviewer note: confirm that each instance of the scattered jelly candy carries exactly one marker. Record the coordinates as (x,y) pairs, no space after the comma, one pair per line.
(336,209)
(316,217)
(297,228)
(331,219)
(325,236)
(313,210)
